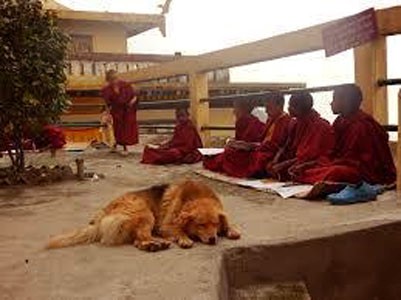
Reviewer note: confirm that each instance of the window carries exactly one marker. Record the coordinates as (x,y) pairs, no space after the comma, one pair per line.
(81,43)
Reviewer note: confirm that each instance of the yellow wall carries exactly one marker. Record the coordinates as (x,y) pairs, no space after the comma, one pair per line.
(107,37)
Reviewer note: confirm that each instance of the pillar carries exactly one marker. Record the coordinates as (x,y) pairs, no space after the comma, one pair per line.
(198,89)
(370,66)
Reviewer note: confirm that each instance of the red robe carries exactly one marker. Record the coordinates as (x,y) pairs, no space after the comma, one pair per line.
(249,129)
(244,164)
(182,149)
(311,138)
(124,116)
(361,153)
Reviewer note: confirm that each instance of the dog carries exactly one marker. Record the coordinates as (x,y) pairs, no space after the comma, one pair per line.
(153,218)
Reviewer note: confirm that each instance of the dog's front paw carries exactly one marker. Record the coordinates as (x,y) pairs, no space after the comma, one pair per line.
(185,242)
(233,234)
(152,245)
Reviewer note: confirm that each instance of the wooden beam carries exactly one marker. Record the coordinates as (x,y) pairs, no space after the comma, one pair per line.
(198,89)
(389,20)
(292,43)
(370,66)
(288,44)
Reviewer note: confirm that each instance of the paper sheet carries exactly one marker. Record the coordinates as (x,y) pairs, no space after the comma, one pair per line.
(210,151)
(283,189)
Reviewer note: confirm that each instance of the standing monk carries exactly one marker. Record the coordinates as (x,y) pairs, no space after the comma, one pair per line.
(361,151)
(311,139)
(249,159)
(181,149)
(121,98)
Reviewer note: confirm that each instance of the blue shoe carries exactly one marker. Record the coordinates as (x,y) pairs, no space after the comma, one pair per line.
(351,195)
(376,188)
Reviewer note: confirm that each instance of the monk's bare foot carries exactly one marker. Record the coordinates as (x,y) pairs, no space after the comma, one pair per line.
(321,189)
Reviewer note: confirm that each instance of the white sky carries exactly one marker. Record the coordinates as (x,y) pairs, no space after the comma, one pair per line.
(198,26)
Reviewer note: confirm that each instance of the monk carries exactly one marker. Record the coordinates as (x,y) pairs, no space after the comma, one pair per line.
(361,151)
(248,128)
(249,159)
(181,149)
(122,101)
(310,139)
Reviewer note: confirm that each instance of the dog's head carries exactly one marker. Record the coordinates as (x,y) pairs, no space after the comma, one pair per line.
(202,222)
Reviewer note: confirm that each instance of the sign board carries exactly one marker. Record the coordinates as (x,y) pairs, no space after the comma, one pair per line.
(350,32)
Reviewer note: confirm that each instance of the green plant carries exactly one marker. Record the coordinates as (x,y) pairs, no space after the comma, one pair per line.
(32,79)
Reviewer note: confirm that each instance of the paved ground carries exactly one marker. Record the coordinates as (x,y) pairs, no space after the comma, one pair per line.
(29,216)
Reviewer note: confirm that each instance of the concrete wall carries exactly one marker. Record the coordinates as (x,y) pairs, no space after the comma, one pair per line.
(107,37)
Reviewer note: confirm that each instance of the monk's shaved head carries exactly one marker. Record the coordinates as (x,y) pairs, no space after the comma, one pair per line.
(181,114)
(301,103)
(242,108)
(246,106)
(347,99)
(274,104)
(111,75)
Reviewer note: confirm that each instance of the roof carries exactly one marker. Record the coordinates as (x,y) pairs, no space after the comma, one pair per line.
(51,4)
(133,23)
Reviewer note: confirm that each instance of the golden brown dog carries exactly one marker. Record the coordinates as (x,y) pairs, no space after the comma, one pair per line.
(153,217)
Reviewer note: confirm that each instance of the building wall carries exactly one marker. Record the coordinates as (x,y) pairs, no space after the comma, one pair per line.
(107,37)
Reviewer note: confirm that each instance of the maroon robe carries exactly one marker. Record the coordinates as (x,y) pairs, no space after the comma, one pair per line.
(124,116)
(361,153)
(249,129)
(182,149)
(243,164)
(311,138)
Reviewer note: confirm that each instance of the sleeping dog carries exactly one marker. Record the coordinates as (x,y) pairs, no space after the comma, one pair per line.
(153,218)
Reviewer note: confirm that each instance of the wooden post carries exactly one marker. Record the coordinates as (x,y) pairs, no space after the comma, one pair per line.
(198,89)
(399,144)
(370,66)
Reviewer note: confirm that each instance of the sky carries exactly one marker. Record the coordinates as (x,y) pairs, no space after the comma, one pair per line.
(199,26)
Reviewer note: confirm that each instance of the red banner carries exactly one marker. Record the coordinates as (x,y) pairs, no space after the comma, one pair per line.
(350,32)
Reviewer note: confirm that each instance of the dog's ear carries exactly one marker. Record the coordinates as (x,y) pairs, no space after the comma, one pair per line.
(183,219)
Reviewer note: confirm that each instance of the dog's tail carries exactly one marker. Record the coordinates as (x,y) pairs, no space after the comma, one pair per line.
(85,235)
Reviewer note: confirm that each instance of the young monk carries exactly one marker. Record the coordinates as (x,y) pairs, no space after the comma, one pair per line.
(361,151)
(248,128)
(311,138)
(121,98)
(181,149)
(246,159)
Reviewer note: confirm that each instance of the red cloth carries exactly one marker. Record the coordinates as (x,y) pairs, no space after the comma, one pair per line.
(243,164)
(124,116)
(311,138)
(361,153)
(182,149)
(51,136)
(249,129)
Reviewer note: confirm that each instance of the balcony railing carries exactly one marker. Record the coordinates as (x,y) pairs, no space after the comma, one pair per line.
(93,66)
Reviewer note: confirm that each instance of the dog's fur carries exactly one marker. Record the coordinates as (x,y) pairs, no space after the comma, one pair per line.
(179,213)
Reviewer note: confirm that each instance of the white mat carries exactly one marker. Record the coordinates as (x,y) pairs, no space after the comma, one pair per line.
(283,189)
(210,151)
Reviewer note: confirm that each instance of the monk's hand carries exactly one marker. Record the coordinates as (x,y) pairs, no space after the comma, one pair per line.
(297,169)
(241,145)
(132,102)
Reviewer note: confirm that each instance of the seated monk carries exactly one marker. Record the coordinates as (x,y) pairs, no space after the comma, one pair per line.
(361,151)
(310,139)
(181,149)
(248,128)
(249,159)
